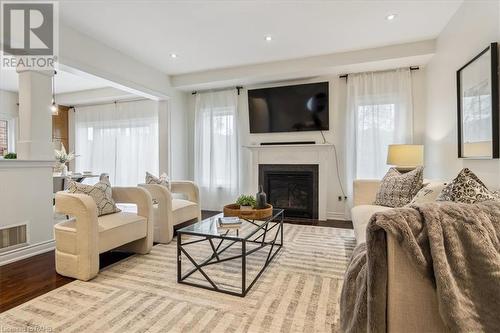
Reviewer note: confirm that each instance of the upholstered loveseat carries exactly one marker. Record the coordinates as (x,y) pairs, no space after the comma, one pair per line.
(412,304)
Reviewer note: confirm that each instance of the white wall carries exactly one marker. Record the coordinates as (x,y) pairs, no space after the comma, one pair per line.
(336,134)
(179,136)
(473,27)
(31,204)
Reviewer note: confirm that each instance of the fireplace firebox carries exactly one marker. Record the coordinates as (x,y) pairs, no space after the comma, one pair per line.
(292,187)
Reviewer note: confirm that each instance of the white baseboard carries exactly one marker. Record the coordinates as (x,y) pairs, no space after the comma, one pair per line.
(26,252)
(336,216)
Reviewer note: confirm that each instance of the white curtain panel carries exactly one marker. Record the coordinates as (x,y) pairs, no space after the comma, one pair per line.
(379,113)
(120,139)
(216,159)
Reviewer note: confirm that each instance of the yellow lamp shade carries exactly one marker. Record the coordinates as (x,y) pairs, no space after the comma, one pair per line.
(405,155)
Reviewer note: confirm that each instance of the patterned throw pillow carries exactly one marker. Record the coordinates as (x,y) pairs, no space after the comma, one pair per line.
(398,189)
(163,180)
(100,192)
(467,188)
(428,193)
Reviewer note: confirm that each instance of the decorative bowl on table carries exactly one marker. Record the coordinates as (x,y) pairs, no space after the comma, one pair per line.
(252,214)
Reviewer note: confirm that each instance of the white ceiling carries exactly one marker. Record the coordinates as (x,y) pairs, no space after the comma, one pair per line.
(218,34)
(65,82)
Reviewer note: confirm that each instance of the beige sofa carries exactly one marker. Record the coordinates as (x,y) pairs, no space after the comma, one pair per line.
(80,240)
(412,304)
(170,212)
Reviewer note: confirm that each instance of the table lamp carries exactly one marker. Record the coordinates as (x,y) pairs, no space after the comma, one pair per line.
(405,157)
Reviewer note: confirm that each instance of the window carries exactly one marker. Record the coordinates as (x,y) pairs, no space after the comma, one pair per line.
(216,148)
(4,136)
(374,133)
(218,131)
(379,113)
(119,139)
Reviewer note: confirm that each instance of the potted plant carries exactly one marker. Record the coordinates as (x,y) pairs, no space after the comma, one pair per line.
(10,156)
(246,202)
(62,158)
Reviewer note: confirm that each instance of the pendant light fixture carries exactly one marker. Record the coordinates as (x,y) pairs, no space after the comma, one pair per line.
(54,108)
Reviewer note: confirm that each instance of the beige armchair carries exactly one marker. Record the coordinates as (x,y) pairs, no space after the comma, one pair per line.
(170,212)
(80,240)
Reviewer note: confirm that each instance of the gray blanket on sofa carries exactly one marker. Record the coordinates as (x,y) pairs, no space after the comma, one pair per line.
(457,246)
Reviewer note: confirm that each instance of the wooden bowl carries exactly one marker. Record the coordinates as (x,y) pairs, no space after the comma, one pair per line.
(253,214)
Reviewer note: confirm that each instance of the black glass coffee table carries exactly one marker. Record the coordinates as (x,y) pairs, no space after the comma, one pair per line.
(211,252)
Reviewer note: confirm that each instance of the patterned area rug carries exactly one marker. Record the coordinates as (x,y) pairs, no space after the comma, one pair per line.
(298,292)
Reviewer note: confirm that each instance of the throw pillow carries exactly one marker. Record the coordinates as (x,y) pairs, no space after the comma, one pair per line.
(467,188)
(162,180)
(398,189)
(428,193)
(100,192)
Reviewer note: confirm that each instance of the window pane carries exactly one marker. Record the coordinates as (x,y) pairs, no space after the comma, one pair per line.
(121,140)
(218,147)
(4,136)
(375,131)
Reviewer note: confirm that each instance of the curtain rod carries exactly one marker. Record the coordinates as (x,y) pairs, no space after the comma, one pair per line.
(412,68)
(110,102)
(215,90)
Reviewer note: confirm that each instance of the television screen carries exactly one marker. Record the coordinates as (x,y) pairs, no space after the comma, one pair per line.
(302,107)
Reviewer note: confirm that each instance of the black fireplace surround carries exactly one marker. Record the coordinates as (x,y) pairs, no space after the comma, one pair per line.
(292,187)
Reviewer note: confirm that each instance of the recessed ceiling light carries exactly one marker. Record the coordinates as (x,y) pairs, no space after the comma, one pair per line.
(390,17)
(269,38)
(173,55)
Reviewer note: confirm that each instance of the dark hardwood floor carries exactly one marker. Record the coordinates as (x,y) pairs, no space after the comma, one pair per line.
(26,279)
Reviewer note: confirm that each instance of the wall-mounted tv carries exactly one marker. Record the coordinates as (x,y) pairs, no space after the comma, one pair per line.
(302,107)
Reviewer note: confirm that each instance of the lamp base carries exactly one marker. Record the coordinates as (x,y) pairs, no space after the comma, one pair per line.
(404,169)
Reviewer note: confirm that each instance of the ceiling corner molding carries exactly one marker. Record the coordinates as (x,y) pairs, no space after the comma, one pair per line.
(399,55)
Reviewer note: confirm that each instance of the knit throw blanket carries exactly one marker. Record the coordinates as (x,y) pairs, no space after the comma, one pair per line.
(454,245)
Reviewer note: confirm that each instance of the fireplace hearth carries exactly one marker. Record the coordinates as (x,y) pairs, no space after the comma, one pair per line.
(292,187)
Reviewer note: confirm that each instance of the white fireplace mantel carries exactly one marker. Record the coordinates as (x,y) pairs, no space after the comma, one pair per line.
(295,154)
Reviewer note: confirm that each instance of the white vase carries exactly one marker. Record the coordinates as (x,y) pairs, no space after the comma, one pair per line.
(64,170)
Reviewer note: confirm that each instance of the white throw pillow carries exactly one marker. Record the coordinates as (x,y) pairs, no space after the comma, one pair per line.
(162,180)
(428,193)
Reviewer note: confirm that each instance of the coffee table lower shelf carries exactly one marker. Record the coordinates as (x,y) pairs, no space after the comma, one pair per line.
(219,244)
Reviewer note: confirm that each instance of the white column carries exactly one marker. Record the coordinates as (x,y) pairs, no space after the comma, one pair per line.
(35,116)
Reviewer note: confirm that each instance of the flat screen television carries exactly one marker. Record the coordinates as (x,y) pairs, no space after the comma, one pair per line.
(302,107)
